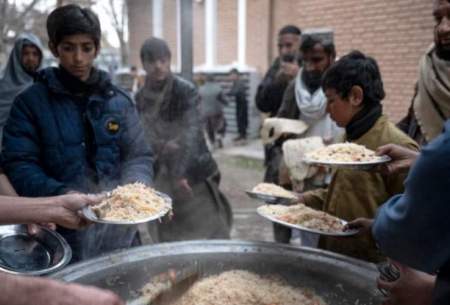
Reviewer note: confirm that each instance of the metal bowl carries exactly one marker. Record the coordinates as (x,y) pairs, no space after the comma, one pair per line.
(365,165)
(340,280)
(89,213)
(39,254)
(273,219)
(272,199)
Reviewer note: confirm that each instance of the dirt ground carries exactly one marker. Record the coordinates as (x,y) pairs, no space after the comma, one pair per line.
(240,174)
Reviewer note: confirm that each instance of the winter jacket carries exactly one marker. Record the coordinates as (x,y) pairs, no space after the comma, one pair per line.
(175,132)
(270,91)
(352,194)
(55,142)
(212,99)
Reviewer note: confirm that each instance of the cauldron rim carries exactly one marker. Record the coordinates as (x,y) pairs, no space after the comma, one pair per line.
(141,253)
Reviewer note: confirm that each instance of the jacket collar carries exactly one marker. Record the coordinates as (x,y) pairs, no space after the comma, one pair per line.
(49,77)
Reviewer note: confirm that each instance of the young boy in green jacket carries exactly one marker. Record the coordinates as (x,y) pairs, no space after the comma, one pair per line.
(354,91)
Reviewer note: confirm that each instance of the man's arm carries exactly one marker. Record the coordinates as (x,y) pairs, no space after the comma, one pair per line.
(19,290)
(314,199)
(286,108)
(413,287)
(268,94)
(21,154)
(402,158)
(6,189)
(137,156)
(413,228)
(395,182)
(62,210)
(190,130)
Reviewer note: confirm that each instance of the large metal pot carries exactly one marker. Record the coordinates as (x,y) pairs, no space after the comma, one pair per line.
(338,279)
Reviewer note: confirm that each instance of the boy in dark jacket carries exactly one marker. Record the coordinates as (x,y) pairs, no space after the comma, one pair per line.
(185,169)
(74,131)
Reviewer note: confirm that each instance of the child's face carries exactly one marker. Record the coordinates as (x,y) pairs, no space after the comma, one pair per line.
(342,110)
(76,54)
(158,70)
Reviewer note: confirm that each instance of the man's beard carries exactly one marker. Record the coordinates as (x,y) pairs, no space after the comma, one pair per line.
(312,80)
(443,52)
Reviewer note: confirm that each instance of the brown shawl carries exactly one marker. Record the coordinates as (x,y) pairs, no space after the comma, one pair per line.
(432,102)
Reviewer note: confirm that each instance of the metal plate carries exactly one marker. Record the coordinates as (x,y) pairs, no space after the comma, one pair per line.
(271,198)
(90,214)
(368,165)
(339,279)
(22,253)
(302,228)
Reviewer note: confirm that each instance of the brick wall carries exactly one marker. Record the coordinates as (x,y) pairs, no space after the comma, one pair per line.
(258,30)
(396,33)
(170,27)
(198,35)
(226,31)
(140,26)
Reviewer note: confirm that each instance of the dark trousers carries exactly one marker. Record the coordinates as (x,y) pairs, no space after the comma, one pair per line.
(273,155)
(242,118)
(215,124)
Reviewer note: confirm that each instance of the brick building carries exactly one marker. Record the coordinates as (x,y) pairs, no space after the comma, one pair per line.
(243,33)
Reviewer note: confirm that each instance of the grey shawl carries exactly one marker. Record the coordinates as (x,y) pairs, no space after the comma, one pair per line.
(14,78)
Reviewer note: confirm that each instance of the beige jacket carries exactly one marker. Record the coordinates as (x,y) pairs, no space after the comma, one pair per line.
(354,194)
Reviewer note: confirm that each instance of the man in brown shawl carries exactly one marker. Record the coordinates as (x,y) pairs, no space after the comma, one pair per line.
(184,167)
(430,106)
(429,110)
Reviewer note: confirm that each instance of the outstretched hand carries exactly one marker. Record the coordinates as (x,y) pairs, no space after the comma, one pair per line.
(412,287)
(363,225)
(401,158)
(67,209)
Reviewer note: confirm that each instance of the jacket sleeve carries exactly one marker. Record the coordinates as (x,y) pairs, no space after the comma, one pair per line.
(316,198)
(395,183)
(190,124)
(270,91)
(286,109)
(137,160)
(21,154)
(413,228)
(405,123)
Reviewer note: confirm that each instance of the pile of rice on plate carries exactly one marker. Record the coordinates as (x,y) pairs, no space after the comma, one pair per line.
(131,202)
(273,190)
(343,152)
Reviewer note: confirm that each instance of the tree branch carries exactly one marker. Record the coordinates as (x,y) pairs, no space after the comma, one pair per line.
(27,9)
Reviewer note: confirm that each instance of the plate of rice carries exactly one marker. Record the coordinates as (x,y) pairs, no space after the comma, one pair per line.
(130,204)
(272,193)
(345,155)
(303,218)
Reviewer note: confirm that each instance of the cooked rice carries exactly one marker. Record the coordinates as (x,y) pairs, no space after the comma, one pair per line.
(343,152)
(299,214)
(131,202)
(273,190)
(239,287)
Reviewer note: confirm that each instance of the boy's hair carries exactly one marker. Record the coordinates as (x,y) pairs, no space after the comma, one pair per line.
(154,49)
(290,29)
(71,20)
(310,40)
(355,69)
